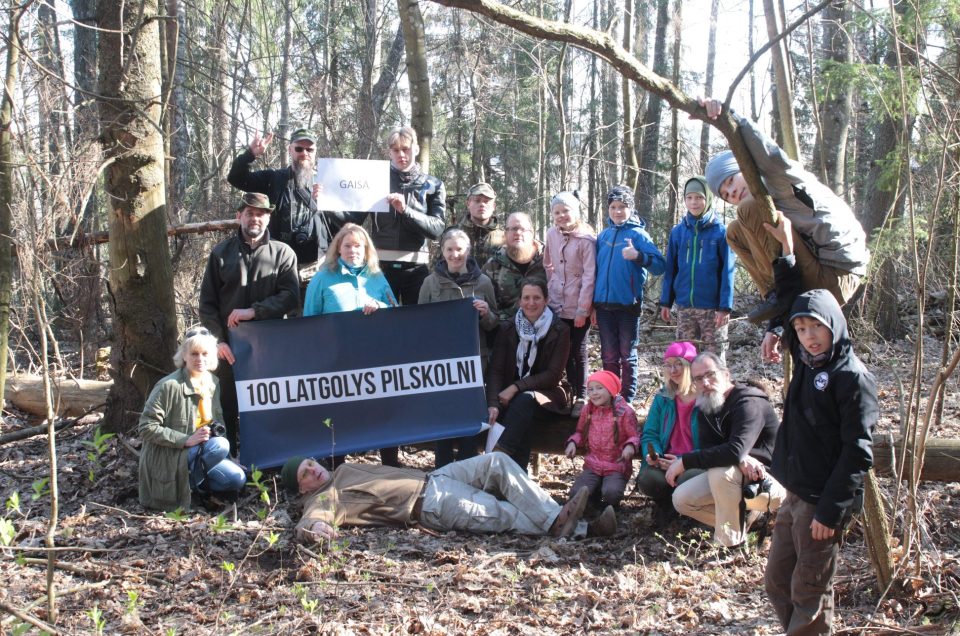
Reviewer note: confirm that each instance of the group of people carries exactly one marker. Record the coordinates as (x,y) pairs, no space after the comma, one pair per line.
(711,448)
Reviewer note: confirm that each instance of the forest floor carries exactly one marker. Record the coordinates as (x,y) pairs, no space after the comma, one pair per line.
(125,569)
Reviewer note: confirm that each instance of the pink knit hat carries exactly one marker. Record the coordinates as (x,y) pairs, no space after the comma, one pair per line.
(608,380)
(684,350)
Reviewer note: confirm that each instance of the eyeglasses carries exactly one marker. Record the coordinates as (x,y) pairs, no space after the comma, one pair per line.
(709,376)
(304,149)
(519,230)
(197,331)
(673,366)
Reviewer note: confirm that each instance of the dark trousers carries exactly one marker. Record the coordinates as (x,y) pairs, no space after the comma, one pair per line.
(519,419)
(405,280)
(228,402)
(800,570)
(444,453)
(577,362)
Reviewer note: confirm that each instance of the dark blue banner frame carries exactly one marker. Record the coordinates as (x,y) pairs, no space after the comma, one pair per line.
(410,381)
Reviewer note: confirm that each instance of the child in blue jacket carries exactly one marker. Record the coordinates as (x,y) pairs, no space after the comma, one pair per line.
(624,254)
(699,272)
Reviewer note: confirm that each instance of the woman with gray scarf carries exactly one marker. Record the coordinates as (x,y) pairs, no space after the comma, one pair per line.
(528,362)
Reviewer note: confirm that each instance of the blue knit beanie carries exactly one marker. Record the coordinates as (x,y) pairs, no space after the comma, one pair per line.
(719,169)
(620,193)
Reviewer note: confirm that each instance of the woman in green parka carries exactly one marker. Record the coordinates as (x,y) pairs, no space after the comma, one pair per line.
(181,452)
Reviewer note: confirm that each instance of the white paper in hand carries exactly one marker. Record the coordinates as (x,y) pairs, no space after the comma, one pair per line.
(353,185)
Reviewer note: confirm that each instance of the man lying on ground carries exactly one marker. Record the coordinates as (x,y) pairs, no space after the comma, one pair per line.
(485,494)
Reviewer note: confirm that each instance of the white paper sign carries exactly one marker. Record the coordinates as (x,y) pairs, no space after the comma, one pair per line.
(353,185)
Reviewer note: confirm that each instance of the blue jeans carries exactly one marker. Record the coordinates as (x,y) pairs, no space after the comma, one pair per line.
(619,337)
(211,471)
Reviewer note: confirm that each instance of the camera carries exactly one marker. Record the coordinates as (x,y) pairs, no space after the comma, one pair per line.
(217,429)
(754,488)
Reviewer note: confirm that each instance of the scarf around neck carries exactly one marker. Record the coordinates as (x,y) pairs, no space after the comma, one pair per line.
(530,334)
(353,269)
(409,175)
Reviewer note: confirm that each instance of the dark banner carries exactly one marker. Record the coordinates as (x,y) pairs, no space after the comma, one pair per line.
(347,383)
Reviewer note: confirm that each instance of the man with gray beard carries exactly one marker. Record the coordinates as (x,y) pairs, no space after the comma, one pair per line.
(737,430)
(295,220)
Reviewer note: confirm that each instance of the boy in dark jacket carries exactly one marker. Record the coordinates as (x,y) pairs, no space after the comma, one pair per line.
(822,453)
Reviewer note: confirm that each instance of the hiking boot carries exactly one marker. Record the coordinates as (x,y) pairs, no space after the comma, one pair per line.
(605,525)
(566,521)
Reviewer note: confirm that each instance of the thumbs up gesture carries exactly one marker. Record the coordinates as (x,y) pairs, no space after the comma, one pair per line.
(630,253)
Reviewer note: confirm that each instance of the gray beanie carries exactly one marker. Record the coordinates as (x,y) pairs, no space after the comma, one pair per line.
(567,198)
(720,168)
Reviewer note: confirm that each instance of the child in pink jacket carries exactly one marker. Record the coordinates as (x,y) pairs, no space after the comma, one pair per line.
(607,429)
(570,258)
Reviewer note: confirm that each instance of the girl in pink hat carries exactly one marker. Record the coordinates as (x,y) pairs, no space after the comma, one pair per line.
(607,430)
(670,429)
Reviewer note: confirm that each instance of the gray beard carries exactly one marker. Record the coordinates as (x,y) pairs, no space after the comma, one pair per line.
(303,174)
(710,403)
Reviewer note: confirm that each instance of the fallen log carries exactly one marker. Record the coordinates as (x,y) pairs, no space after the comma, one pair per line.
(941,459)
(94,238)
(71,398)
(74,398)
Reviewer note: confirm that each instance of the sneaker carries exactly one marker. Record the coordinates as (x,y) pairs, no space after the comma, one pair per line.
(605,525)
(566,521)
(578,405)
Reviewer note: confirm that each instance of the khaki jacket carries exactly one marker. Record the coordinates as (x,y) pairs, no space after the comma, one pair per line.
(166,422)
(365,495)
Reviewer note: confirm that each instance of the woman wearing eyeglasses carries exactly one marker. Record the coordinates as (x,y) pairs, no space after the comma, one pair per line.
(670,430)
(529,358)
(184,450)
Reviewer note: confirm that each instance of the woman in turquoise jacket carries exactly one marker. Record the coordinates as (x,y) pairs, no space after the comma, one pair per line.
(661,432)
(350,279)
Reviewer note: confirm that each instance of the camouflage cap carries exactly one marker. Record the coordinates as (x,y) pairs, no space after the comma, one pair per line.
(303,134)
(255,200)
(482,188)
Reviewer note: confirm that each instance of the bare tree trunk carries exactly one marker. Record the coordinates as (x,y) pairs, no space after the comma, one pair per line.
(708,81)
(421,104)
(141,280)
(830,150)
(7,168)
(647,183)
(285,127)
(781,74)
(631,167)
(675,192)
(751,49)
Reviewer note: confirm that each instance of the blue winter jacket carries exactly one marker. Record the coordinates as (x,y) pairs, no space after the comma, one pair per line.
(699,270)
(331,292)
(660,422)
(619,281)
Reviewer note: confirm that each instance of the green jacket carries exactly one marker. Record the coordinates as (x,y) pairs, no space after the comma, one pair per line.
(485,240)
(166,422)
(506,277)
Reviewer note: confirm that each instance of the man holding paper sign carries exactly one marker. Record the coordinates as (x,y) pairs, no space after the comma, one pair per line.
(296,220)
(416,216)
